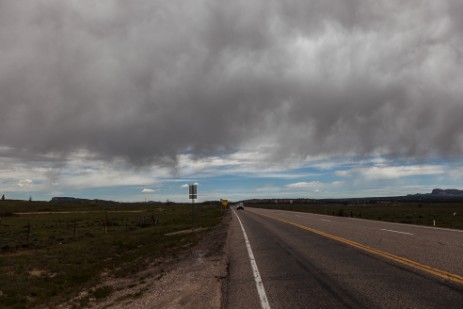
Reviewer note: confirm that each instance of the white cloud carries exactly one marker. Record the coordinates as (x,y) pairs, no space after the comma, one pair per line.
(254,163)
(25,182)
(305,185)
(78,172)
(146,190)
(393,172)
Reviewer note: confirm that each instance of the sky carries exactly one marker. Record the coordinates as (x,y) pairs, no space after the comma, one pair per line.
(133,100)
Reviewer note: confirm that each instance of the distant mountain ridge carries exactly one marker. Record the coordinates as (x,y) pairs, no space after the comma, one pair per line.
(436,195)
(454,195)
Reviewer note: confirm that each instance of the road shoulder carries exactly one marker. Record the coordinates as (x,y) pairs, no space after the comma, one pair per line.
(194,279)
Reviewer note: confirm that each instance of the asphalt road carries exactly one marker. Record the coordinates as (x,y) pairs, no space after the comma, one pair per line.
(313,261)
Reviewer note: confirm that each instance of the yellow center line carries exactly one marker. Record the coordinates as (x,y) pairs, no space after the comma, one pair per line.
(435,271)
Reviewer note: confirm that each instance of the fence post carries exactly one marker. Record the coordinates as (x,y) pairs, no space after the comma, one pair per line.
(28,231)
(106,224)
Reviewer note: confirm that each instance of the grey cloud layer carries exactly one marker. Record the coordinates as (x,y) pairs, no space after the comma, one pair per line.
(146,80)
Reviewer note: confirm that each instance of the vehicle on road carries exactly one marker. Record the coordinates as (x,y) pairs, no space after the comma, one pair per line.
(240,206)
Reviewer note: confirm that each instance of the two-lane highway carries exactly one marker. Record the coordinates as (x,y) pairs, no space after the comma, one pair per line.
(313,261)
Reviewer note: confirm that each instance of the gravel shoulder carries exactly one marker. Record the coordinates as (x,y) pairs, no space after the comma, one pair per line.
(193,279)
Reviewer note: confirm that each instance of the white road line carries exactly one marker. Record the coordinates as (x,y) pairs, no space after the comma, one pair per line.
(397,232)
(259,284)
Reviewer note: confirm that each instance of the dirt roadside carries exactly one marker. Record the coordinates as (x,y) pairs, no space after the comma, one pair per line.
(194,279)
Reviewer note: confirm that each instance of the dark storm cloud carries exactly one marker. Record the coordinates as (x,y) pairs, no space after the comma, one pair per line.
(146,80)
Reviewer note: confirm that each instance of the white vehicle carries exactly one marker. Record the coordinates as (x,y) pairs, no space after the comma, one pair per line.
(240,206)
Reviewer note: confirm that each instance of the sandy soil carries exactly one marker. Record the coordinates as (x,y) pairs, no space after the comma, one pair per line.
(192,280)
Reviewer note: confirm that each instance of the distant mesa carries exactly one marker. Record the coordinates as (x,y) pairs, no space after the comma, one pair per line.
(65,199)
(447,192)
(62,199)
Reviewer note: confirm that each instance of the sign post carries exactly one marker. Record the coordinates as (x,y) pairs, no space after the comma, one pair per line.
(193,190)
